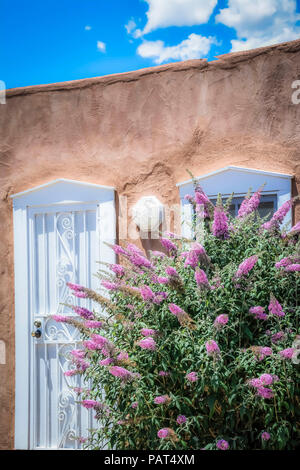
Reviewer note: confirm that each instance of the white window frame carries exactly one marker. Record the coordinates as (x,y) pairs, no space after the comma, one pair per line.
(238,180)
(56,193)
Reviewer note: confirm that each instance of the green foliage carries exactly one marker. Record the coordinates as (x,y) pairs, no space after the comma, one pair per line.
(220,404)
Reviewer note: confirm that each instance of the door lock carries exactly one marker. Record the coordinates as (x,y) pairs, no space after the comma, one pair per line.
(36,334)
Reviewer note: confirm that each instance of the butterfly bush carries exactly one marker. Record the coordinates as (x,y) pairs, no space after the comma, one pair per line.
(195,347)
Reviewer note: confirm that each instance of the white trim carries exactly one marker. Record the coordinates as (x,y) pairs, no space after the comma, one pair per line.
(237,168)
(50,194)
(50,183)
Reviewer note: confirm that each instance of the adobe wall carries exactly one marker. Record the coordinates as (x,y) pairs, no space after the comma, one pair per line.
(139,131)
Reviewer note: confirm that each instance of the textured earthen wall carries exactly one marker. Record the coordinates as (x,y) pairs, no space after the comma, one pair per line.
(139,131)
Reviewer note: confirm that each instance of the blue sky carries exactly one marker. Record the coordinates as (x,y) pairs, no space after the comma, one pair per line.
(53,41)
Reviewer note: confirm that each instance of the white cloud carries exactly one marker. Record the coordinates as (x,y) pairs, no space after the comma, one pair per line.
(260,22)
(130,26)
(194,47)
(101,46)
(164,13)
(87,28)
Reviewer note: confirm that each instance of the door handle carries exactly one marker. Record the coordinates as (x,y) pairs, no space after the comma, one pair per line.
(36,334)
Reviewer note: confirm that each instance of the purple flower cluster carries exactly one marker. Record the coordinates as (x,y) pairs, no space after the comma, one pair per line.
(277,337)
(170,271)
(147,343)
(148,295)
(220,228)
(222,444)
(160,400)
(249,205)
(201,279)
(292,268)
(278,217)
(246,266)
(258,312)
(181,419)
(163,433)
(275,308)
(169,245)
(192,376)
(202,203)
(221,320)
(91,404)
(84,313)
(120,372)
(287,353)
(117,269)
(196,254)
(93,324)
(259,384)
(212,348)
(109,285)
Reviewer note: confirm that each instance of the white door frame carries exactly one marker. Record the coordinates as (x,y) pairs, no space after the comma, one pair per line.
(58,192)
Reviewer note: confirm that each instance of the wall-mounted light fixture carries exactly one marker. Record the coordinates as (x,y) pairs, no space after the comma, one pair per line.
(148,214)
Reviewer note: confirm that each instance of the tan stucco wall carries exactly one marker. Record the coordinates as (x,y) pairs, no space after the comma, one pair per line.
(139,131)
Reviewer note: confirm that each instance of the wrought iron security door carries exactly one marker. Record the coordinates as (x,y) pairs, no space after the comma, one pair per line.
(63,247)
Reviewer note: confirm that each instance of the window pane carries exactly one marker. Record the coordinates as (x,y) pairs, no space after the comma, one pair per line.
(266,208)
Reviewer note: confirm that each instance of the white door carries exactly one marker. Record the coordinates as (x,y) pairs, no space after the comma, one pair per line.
(64,245)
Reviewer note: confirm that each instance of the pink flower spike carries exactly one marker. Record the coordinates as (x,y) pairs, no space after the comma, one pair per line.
(109,285)
(118,269)
(163,433)
(287,353)
(266,379)
(258,312)
(181,419)
(76,287)
(81,295)
(292,268)
(246,266)
(265,436)
(212,348)
(119,250)
(177,311)
(201,279)
(161,399)
(162,373)
(123,356)
(275,308)
(84,313)
(168,245)
(222,445)
(91,404)
(192,376)
(220,227)
(106,362)
(170,271)
(93,324)
(147,343)
(265,392)
(148,332)
(146,293)
(221,320)
(120,372)
(60,318)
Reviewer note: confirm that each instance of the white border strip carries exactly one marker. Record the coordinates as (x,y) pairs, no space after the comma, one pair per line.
(237,168)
